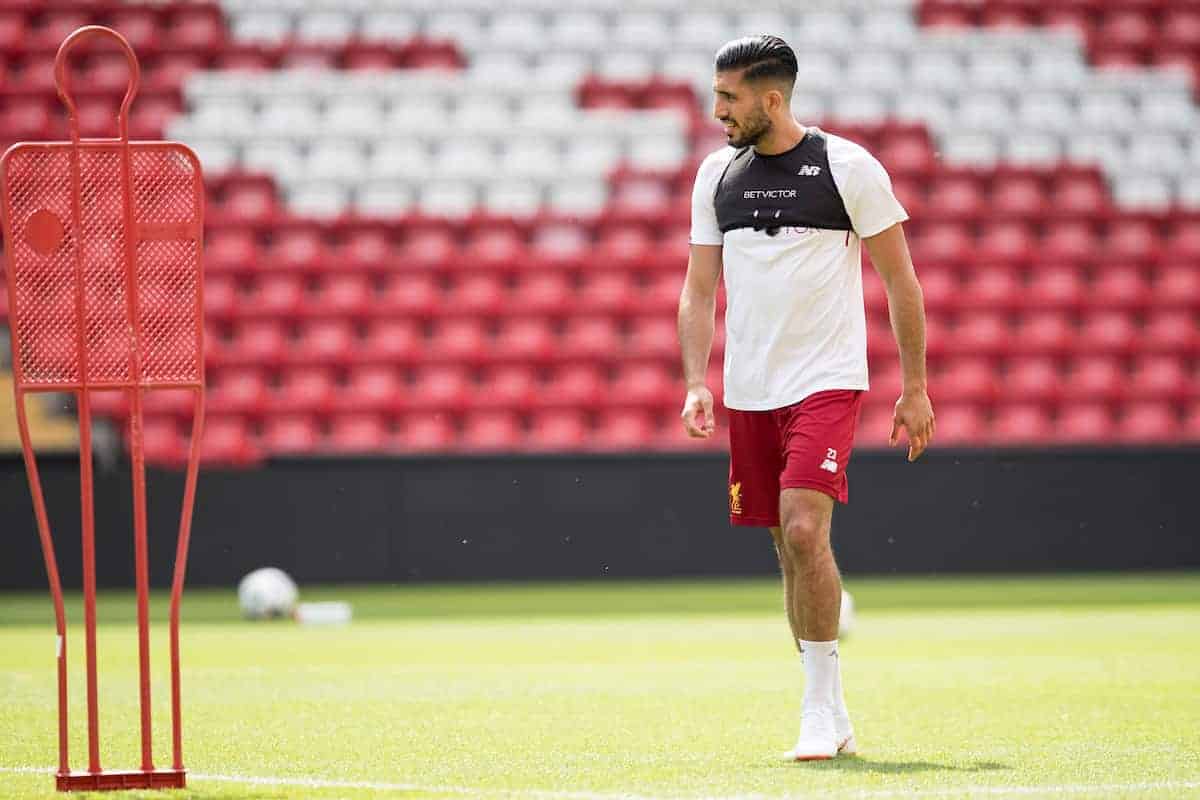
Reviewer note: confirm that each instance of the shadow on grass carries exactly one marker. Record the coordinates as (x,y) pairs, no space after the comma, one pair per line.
(867,765)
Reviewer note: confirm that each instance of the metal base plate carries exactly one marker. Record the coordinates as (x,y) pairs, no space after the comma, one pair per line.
(110,780)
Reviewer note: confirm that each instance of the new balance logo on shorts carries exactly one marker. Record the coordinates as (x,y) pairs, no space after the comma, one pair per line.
(830,462)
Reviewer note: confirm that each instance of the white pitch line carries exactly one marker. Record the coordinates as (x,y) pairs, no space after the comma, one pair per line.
(549,794)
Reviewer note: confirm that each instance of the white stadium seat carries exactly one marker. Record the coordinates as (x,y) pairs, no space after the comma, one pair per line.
(321,200)
(383,198)
(520,200)
(261,26)
(447,199)
(325,27)
(387,26)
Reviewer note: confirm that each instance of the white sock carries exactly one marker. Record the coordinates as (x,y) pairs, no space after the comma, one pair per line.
(820,672)
(839,698)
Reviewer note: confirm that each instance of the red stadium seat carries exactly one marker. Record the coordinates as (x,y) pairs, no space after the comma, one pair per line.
(371,388)
(369,250)
(1171,331)
(625,247)
(220,296)
(304,389)
(558,430)
(1019,424)
(1079,197)
(959,424)
(460,340)
(1120,287)
(1180,28)
(907,156)
(560,245)
(956,199)
(341,296)
(237,391)
(494,249)
(481,294)
(300,250)
(980,333)
(874,425)
(939,285)
(250,202)
(1033,380)
(430,249)
(441,387)
(1126,30)
(653,337)
(644,384)
(1044,333)
(1010,242)
(1183,243)
(575,385)
(1189,430)
(874,292)
(1086,423)
(989,289)
(1131,241)
(943,243)
(231,250)
(1018,197)
(594,338)
(492,431)
(526,339)
(391,341)
(426,432)
(163,442)
(1055,288)
(13,30)
(543,292)
(1108,332)
(606,292)
(409,295)
(1069,242)
(324,341)
(1095,378)
(966,380)
(357,433)
(1177,285)
(509,386)
(290,434)
(198,28)
(226,441)
(275,296)
(1148,422)
(258,342)
(624,429)
(1160,377)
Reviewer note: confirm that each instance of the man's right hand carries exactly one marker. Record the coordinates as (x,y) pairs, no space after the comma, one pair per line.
(697,413)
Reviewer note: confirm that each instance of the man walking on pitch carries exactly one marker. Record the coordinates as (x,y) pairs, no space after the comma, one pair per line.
(783,210)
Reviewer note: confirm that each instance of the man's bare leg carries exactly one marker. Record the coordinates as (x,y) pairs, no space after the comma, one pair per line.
(813,593)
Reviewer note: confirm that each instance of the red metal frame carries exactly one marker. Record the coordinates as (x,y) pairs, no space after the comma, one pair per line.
(88,342)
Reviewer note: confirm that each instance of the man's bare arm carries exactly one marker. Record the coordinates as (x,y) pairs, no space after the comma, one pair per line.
(906,307)
(697,313)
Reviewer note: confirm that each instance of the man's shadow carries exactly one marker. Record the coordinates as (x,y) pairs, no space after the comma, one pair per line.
(858,764)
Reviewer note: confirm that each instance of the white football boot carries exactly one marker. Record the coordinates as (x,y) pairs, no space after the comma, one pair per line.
(818,736)
(845,734)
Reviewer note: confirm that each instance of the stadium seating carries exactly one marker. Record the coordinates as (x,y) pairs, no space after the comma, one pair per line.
(464,227)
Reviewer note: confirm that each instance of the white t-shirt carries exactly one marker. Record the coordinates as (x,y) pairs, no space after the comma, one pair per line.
(795,322)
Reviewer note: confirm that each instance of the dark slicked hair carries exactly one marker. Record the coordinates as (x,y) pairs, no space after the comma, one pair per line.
(763,57)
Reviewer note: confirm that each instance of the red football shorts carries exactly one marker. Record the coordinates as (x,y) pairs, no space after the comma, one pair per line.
(801,446)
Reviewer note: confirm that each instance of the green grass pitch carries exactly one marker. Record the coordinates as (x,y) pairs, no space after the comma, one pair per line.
(1085,686)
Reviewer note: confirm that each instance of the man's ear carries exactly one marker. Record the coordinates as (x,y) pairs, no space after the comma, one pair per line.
(773,101)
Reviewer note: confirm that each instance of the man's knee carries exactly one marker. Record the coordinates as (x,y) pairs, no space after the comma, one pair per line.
(805,531)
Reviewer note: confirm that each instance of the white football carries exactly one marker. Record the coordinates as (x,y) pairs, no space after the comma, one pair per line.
(846,620)
(267,593)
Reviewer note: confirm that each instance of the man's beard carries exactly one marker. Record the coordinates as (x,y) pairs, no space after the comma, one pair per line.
(750,132)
